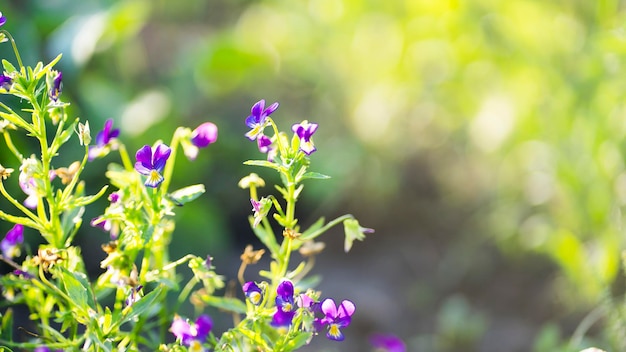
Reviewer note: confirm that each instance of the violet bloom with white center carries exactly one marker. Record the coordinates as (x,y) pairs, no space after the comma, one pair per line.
(151,163)
(103,140)
(336,317)
(387,343)
(3,19)
(305,131)
(55,90)
(29,187)
(285,305)
(267,146)
(6,82)
(101,223)
(10,244)
(194,333)
(253,292)
(257,120)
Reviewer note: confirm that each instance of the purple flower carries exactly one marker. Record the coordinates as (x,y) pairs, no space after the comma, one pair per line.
(260,209)
(336,317)
(387,343)
(55,88)
(189,334)
(257,120)
(10,244)
(101,223)
(44,349)
(305,131)
(22,273)
(253,292)
(114,197)
(266,146)
(103,140)
(133,295)
(3,19)
(29,187)
(6,81)
(201,137)
(204,135)
(151,163)
(285,305)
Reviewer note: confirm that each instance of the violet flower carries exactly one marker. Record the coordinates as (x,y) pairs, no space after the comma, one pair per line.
(6,82)
(29,187)
(45,349)
(285,305)
(56,85)
(253,292)
(100,222)
(22,273)
(260,209)
(133,295)
(267,146)
(257,120)
(151,163)
(305,131)
(201,137)
(194,333)
(3,19)
(204,135)
(336,317)
(10,244)
(103,141)
(387,343)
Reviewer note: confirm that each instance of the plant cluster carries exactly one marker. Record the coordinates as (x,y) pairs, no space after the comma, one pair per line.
(133,303)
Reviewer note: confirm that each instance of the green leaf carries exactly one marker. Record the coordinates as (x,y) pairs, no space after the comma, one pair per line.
(40,70)
(267,237)
(265,163)
(186,194)
(78,289)
(17,121)
(316,226)
(81,201)
(8,67)
(226,303)
(142,305)
(6,329)
(298,341)
(21,220)
(315,175)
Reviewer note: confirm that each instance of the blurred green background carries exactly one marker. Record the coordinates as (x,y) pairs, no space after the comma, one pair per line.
(482,139)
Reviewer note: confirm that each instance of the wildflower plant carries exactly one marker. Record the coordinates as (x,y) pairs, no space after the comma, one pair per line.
(128,306)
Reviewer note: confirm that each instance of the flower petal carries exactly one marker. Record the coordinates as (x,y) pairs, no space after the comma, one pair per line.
(328,308)
(144,156)
(161,154)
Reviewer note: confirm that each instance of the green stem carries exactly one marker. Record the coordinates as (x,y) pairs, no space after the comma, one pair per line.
(17,53)
(128,165)
(22,208)
(326,227)
(11,146)
(169,166)
(186,291)
(284,262)
(281,147)
(291,204)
